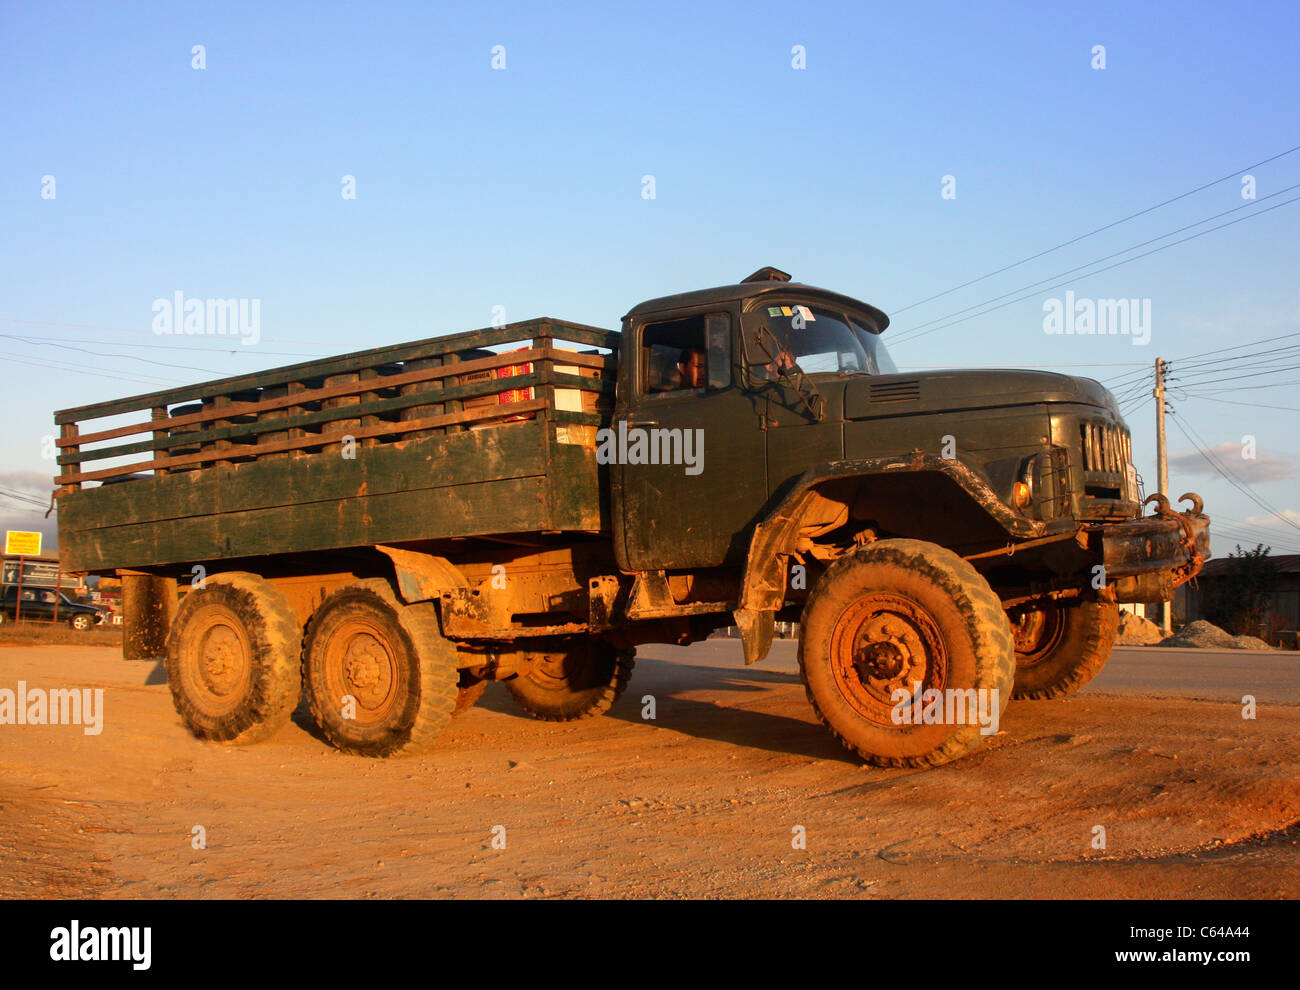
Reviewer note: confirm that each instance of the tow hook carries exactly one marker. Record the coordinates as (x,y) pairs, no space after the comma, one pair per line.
(1195,560)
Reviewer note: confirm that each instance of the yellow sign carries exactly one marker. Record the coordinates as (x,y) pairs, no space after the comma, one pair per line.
(20,544)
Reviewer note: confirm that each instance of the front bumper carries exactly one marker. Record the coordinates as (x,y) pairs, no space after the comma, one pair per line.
(1146,559)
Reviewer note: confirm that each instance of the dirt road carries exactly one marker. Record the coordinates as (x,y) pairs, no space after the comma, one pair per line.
(706,800)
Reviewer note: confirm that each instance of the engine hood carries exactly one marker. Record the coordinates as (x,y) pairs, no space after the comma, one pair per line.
(936,391)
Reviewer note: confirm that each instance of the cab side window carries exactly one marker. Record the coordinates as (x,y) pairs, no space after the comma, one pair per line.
(686,355)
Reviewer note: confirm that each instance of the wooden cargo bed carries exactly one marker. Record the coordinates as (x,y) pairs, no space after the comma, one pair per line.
(426,440)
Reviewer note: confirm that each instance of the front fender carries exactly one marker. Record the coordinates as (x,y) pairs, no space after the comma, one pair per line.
(776,537)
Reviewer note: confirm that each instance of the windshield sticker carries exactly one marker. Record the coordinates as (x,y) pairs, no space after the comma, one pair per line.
(774,311)
(807,314)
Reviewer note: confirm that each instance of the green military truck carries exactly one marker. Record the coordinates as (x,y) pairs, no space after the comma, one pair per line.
(386,531)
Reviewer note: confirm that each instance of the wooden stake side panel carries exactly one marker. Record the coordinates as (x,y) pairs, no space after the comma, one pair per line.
(421,441)
(515,479)
(373,407)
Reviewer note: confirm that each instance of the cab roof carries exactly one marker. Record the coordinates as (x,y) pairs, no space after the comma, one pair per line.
(751,290)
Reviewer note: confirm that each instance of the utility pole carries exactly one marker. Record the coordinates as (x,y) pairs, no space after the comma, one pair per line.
(1162,468)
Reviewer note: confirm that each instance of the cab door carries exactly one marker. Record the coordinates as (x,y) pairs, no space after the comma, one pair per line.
(804,417)
(688,458)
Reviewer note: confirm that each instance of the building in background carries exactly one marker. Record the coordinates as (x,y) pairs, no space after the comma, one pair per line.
(1284,602)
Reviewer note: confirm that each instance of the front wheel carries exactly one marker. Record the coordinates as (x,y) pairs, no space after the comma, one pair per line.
(81,622)
(1061,647)
(906,654)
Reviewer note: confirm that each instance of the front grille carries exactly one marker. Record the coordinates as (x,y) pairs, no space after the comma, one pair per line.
(1106,447)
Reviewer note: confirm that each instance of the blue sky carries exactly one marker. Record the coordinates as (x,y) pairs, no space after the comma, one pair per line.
(522,187)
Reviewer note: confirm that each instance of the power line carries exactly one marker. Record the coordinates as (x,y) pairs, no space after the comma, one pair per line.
(1241,486)
(1125,392)
(1231,533)
(1233,378)
(1185,363)
(1115,254)
(1246,388)
(1131,384)
(99,374)
(1165,247)
(1237,347)
(1257,405)
(23,496)
(1226,528)
(83,326)
(125,357)
(1115,223)
(192,344)
(1256,530)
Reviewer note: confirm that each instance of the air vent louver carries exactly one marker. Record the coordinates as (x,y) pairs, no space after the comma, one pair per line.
(907,391)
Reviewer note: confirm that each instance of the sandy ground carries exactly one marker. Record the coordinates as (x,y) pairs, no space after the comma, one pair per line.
(703,801)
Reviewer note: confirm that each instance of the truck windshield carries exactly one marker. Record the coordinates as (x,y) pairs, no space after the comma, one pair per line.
(819,340)
(880,361)
(822,341)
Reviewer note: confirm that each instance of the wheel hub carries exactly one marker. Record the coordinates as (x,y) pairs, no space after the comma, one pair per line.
(1037,632)
(221,660)
(360,663)
(216,661)
(880,645)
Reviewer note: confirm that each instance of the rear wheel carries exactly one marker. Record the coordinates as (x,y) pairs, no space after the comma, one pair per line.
(1061,647)
(232,659)
(576,677)
(894,618)
(379,676)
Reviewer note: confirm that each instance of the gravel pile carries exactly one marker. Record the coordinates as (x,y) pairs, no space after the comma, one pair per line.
(1137,631)
(1251,643)
(1206,635)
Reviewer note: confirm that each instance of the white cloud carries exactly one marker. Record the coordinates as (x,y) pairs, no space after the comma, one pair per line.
(1257,469)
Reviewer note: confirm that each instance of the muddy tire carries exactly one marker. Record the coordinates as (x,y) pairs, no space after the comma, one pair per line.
(467,695)
(574,678)
(892,614)
(380,679)
(1060,648)
(232,659)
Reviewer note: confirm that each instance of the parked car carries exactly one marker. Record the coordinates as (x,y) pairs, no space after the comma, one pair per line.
(38,605)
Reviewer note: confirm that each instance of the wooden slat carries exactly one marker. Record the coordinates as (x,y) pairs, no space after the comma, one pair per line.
(437,461)
(68,439)
(488,337)
(466,416)
(160,437)
(272,436)
(422,389)
(374,407)
(391,381)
